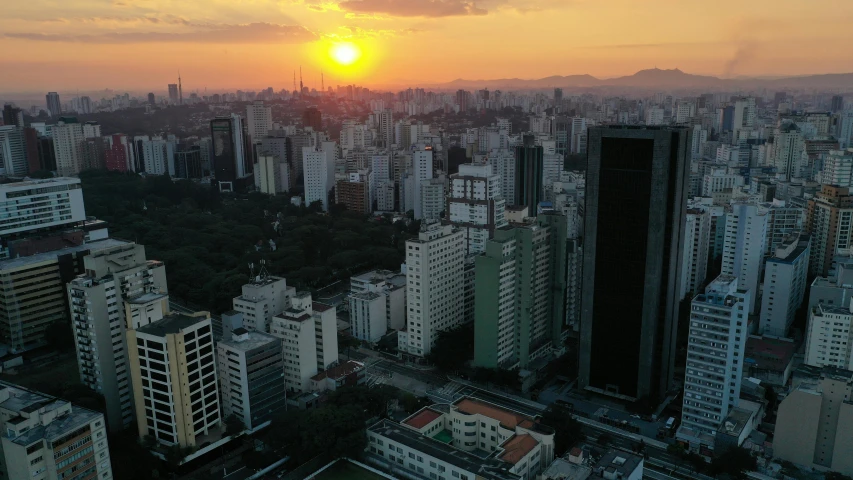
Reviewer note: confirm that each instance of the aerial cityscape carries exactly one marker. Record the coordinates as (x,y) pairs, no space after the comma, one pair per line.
(426,240)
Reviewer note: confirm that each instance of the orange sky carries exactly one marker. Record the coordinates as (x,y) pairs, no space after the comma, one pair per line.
(140,44)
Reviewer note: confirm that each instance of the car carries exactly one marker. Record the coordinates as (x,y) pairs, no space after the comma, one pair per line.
(635,416)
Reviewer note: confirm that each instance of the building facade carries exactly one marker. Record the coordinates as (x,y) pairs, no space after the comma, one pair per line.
(785,278)
(476,205)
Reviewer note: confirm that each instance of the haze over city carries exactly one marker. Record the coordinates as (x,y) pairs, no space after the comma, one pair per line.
(218,44)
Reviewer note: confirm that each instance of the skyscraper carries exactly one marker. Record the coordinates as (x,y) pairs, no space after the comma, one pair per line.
(13,116)
(151,99)
(386,128)
(68,145)
(743,247)
(54,108)
(529,166)
(475,204)
(312,117)
(228,150)
(173,93)
(636,197)
(837,103)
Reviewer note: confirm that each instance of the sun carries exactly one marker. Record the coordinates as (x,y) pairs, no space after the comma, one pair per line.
(345,53)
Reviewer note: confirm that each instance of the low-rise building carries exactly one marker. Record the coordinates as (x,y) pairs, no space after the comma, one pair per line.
(470,439)
(619,465)
(46,438)
(251,377)
(347,374)
(769,359)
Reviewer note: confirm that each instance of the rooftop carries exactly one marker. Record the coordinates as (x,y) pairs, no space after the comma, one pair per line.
(22,400)
(422,418)
(507,418)
(735,421)
(250,340)
(769,353)
(619,461)
(516,447)
(562,469)
(171,323)
(39,183)
(321,307)
(147,298)
(47,256)
(487,469)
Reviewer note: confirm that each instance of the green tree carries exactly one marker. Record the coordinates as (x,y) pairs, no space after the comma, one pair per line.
(836,476)
(734,462)
(453,348)
(59,337)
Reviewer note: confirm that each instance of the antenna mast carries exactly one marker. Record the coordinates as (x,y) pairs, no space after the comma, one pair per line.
(322,83)
(301,87)
(294,80)
(180,90)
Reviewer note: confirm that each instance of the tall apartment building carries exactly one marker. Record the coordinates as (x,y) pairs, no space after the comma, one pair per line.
(68,144)
(263,298)
(814,421)
(503,165)
(47,438)
(318,166)
(694,258)
(272,173)
(785,277)
(837,168)
(13,151)
(102,310)
(422,173)
(476,205)
(719,326)
(39,205)
(258,120)
(54,106)
(251,377)
(788,151)
(520,285)
(828,338)
(434,287)
(386,128)
(650,166)
(836,289)
(743,247)
(829,220)
(529,172)
(309,340)
(377,304)
(354,192)
(173,367)
(230,162)
(782,221)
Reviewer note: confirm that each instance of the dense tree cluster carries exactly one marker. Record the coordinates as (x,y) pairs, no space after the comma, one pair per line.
(207,240)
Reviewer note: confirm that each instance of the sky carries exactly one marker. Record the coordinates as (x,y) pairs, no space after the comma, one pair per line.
(140,45)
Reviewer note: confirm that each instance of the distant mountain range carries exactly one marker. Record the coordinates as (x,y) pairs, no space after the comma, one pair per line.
(662,79)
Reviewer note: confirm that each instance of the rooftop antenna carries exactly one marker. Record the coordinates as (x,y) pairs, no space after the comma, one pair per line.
(180,90)
(262,273)
(251,270)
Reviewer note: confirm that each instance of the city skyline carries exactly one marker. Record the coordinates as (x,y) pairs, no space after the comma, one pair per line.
(262,42)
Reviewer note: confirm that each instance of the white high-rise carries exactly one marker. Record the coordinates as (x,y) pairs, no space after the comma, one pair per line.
(68,145)
(386,128)
(258,120)
(784,285)
(432,198)
(318,167)
(475,204)
(13,157)
(154,157)
(121,291)
(837,168)
(828,338)
(434,281)
(503,165)
(263,298)
(421,174)
(715,353)
(788,152)
(743,247)
(694,259)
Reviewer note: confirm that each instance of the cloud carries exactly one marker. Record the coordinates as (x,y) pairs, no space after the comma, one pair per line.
(352,31)
(163,20)
(414,8)
(224,33)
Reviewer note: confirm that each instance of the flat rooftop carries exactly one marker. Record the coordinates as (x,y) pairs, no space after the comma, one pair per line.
(47,256)
(28,401)
(487,469)
(769,353)
(253,340)
(507,418)
(147,298)
(619,461)
(38,183)
(172,323)
(422,418)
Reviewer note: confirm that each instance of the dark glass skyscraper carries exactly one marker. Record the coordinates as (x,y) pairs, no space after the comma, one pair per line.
(224,156)
(312,117)
(529,166)
(636,196)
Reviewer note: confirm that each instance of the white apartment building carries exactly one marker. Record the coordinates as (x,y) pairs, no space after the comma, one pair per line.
(785,276)
(45,438)
(13,154)
(367,316)
(743,247)
(684,111)
(68,143)
(421,174)
(308,332)
(475,204)
(434,287)
(694,259)
(654,116)
(837,168)
(503,165)
(486,441)
(552,165)
(258,120)
(828,338)
(262,299)
(718,182)
(432,198)
(781,223)
(121,291)
(700,137)
(173,365)
(385,197)
(272,174)
(788,154)
(251,377)
(716,341)
(386,128)
(40,204)
(155,160)
(318,168)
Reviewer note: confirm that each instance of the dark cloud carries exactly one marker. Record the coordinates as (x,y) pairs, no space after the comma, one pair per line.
(250,33)
(353,31)
(414,8)
(162,20)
